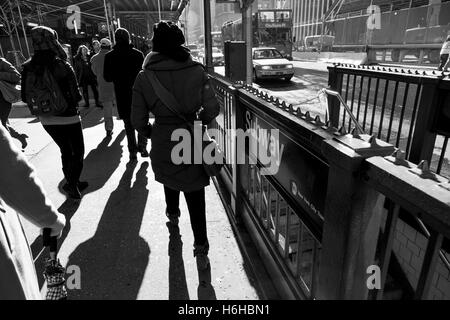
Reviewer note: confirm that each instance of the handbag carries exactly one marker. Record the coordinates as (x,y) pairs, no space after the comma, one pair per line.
(11,92)
(171,103)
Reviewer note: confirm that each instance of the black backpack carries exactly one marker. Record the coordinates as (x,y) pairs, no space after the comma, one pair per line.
(44,96)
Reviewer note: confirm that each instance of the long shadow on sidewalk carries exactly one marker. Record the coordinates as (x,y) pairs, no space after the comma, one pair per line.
(113,262)
(100,164)
(177,275)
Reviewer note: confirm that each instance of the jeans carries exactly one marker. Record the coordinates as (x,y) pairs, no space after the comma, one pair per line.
(69,139)
(134,147)
(85,89)
(108,114)
(196,204)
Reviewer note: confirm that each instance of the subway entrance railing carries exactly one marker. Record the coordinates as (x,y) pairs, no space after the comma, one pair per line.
(330,210)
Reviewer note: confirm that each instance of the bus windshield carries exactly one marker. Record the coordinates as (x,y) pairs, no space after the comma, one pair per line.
(274,36)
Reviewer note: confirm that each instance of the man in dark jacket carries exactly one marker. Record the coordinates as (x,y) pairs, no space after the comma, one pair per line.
(122,65)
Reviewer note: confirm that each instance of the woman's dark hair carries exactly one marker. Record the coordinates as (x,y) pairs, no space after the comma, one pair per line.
(80,51)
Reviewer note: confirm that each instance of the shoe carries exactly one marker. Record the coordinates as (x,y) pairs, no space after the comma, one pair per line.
(72,191)
(109,133)
(202,261)
(133,156)
(174,218)
(82,185)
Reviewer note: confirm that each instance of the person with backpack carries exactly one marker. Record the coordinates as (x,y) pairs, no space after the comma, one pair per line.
(106,89)
(9,75)
(85,77)
(122,65)
(23,194)
(50,89)
(170,66)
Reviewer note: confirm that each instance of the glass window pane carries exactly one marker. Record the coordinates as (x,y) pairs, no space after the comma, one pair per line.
(264,200)
(282,220)
(307,243)
(257,203)
(273,207)
(294,231)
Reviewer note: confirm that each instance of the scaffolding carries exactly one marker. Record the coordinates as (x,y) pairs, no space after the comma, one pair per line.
(17,16)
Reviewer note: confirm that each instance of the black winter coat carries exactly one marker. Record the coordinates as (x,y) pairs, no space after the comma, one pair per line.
(122,65)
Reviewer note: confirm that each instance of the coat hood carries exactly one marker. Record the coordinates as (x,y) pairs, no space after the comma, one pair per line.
(157,61)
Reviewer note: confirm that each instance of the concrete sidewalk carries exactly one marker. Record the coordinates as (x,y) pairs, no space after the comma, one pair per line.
(117,234)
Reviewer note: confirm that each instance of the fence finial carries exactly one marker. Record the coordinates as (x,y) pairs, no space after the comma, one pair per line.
(342,131)
(400,159)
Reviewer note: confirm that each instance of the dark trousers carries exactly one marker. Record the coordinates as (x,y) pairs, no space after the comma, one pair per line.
(196,204)
(69,139)
(133,146)
(444,58)
(5,110)
(85,89)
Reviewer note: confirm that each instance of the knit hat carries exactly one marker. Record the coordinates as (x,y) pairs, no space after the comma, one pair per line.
(105,43)
(45,38)
(168,39)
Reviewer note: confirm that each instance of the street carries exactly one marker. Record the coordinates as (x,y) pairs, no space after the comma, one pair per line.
(312,76)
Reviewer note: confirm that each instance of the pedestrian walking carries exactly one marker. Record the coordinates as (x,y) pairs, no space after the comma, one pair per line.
(10,77)
(21,190)
(96,46)
(444,55)
(188,82)
(122,65)
(85,76)
(106,89)
(65,129)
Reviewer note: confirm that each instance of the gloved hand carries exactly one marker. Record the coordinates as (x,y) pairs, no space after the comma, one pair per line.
(147,132)
(57,227)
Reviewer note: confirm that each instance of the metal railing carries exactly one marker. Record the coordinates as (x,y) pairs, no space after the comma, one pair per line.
(310,218)
(396,104)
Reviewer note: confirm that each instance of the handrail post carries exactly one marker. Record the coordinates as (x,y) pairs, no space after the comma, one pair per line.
(334,105)
(423,139)
(237,123)
(351,221)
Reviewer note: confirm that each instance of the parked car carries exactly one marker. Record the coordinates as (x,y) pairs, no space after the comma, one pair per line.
(217,55)
(270,63)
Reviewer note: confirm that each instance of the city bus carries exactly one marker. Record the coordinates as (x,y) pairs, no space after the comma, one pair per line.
(271,28)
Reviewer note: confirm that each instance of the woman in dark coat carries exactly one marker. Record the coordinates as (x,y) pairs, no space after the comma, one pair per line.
(85,76)
(190,85)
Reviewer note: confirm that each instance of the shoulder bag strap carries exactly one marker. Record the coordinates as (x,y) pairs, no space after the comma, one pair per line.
(167,98)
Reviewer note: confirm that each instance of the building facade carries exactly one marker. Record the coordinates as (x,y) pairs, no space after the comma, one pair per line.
(307,15)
